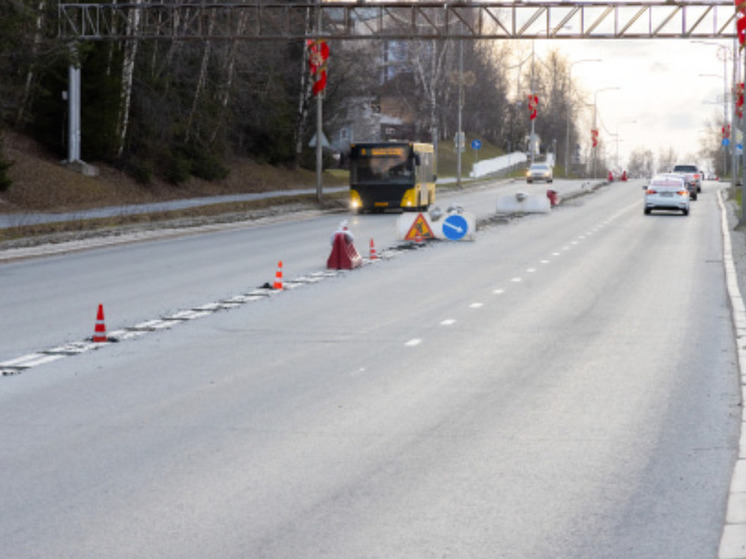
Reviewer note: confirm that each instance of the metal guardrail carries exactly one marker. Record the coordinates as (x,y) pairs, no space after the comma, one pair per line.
(365,20)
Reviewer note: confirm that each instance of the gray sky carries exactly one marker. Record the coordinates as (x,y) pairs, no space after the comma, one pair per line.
(661,89)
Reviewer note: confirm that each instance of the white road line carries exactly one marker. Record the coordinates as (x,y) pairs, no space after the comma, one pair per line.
(413,342)
(24,362)
(498,291)
(516,280)
(447,322)
(476,305)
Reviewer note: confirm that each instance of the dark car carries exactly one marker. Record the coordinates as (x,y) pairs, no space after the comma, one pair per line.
(692,176)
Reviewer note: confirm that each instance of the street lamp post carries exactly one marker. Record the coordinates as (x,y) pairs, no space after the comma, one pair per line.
(531,138)
(595,121)
(569,110)
(617,137)
(724,54)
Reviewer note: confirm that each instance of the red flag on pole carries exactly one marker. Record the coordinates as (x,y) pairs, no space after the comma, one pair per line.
(533,103)
(741,21)
(318,53)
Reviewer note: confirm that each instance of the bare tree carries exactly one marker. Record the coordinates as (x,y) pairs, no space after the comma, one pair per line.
(207,47)
(429,61)
(666,159)
(31,73)
(128,70)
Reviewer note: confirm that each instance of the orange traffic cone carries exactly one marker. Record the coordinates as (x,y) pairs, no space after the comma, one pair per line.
(278,276)
(373,255)
(99,332)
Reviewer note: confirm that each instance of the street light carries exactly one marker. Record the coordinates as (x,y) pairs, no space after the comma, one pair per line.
(725,110)
(595,120)
(569,110)
(617,137)
(725,54)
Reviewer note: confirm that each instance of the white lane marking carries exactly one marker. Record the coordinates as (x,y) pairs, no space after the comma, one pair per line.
(545,261)
(447,322)
(413,342)
(531,270)
(555,254)
(516,280)
(475,305)
(498,291)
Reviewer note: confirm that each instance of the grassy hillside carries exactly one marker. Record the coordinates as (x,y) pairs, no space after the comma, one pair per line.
(40,183)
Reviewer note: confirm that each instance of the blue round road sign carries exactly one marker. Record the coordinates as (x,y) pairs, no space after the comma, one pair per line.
(455,227)
(476,144)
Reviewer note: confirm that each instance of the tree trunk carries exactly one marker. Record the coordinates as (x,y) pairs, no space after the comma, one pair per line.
(304,95)
(128,70)
(202,77)
(230,72)
(30,75)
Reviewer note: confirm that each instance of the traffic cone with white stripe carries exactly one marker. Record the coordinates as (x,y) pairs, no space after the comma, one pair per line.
(278,276)
(373,255)
(99,332)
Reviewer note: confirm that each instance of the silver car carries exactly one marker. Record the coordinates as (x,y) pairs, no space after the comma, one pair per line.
(539,172)
(666,192)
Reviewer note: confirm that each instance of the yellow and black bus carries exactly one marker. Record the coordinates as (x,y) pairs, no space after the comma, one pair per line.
(391,175)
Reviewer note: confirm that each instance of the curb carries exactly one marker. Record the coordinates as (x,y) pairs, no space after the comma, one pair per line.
(733,539)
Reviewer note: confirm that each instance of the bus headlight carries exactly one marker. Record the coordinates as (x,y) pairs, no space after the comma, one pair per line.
(355,202)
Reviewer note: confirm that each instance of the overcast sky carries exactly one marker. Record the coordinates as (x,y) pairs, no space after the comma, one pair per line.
(661,89)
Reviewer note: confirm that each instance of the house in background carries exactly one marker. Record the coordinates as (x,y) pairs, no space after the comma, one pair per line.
(386,114)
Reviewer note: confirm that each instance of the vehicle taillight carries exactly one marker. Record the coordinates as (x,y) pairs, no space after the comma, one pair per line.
(683,192)
(650,191)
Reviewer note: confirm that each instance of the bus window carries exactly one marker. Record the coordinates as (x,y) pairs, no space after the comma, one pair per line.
(381,170)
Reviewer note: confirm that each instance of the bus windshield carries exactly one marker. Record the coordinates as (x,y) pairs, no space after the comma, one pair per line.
(382,165)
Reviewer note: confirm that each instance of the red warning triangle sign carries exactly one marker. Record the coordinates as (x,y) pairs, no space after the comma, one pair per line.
(420,229)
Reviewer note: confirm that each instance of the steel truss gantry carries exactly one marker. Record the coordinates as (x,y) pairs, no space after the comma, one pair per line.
(274,20)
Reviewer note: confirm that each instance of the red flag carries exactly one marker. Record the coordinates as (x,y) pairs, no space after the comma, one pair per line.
(594,137)
(318,53)
(533,103)
(741,28)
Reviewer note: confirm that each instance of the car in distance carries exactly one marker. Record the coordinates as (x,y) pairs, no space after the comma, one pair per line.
(692,176)
(539,172)
(667,192)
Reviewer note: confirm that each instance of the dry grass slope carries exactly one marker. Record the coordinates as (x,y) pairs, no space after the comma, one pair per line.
(42,184)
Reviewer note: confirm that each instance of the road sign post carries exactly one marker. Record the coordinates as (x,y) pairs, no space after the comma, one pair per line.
(476,145)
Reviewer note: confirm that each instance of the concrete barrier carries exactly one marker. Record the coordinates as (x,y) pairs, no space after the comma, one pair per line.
(520,202)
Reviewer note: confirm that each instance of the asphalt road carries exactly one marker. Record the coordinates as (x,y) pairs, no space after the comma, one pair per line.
(565,386)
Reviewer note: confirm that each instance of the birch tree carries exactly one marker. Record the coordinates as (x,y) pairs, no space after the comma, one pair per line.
(429,62)
(31,73)
(128,69)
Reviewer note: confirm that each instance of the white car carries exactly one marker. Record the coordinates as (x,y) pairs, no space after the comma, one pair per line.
(539,172)
(666,192)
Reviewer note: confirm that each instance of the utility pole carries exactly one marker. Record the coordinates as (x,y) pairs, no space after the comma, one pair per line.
(319,120)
